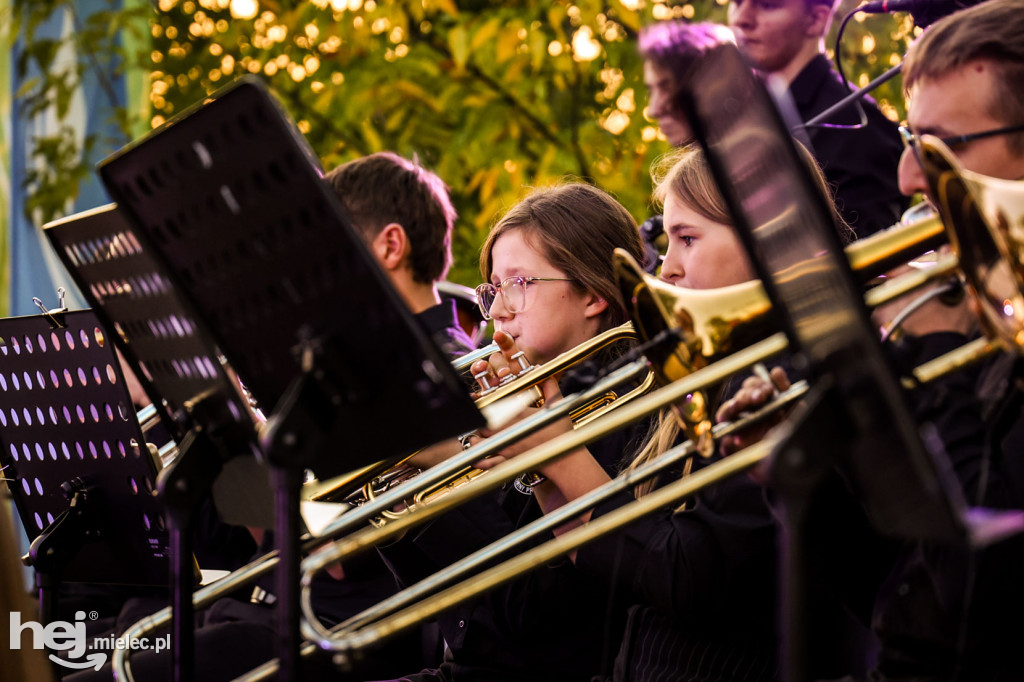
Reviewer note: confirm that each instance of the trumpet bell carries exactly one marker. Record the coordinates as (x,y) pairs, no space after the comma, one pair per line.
(985,218)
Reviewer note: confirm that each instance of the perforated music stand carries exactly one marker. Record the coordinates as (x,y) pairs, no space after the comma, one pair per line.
(80,474)
(181,373)
(230,200)
(859,409)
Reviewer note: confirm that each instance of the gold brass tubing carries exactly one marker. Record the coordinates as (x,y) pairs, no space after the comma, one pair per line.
(907,282)
(967,354)
(549,451)
(871,256)
(624,481)
(714,473)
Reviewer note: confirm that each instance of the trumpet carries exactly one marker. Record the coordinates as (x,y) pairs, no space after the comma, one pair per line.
(527,380)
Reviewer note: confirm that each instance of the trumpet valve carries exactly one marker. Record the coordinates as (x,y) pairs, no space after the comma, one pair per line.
(523,362)
(484,380)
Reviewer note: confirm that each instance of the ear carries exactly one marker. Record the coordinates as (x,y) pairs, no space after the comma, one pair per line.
(595,306)
(817,20)
(390,246)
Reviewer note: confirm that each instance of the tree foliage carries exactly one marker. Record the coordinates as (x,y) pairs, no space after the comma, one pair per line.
(496,96)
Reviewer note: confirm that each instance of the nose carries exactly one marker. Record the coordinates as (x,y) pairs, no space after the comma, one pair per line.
(741,14)
(498,311)
(672,270)
(910,174)
(656,104)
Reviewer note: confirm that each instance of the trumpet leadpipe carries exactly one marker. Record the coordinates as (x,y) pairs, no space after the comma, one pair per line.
(463,363)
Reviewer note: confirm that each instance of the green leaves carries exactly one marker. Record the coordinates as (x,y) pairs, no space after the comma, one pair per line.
(495,96)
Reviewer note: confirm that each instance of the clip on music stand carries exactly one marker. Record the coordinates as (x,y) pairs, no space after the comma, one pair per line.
(857,407)
(75,457)
(230,200)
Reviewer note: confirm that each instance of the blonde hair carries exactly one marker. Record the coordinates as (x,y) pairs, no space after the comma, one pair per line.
(686,175)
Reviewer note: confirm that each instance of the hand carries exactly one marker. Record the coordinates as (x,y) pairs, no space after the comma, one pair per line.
(754,393)
(490,372)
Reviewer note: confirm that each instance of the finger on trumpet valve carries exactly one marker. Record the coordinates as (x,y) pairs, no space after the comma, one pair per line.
(484,380)
(524,363)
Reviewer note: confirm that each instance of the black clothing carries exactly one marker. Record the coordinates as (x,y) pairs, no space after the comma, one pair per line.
(946,611)
(441,322)
(940,612)
(550,624)
(703,584)
(553,623)
(861,164)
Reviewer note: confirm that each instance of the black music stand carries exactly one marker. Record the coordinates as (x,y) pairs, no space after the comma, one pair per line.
(858,408)
(181,373)
(229,199)
(74,452)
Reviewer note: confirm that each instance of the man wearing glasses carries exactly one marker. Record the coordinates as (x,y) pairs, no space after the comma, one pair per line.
(939,612)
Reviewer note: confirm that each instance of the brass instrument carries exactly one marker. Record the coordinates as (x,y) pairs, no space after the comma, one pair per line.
(986,216)
(527,380)
(716,334)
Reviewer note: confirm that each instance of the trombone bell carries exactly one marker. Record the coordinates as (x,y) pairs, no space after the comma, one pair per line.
(709,323)
(986,220)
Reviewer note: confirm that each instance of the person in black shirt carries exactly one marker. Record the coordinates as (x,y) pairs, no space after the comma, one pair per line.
(940,612)
(550,287)
(784,38)
(701,578)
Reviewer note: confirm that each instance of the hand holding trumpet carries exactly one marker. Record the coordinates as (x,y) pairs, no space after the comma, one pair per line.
(494,370)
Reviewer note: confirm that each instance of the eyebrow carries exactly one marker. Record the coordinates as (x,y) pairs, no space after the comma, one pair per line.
(937,131)
(678,227)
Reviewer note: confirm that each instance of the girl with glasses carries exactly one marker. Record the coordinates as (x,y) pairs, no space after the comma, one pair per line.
(549,286)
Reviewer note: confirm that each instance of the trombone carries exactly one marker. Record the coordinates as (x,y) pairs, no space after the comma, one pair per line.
(871,256)
(718,319)
(404,610)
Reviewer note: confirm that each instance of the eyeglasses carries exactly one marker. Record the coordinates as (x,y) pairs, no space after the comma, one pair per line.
(913,141)
(513,293)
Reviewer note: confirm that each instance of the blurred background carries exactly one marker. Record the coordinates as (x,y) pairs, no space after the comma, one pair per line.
(495,96)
